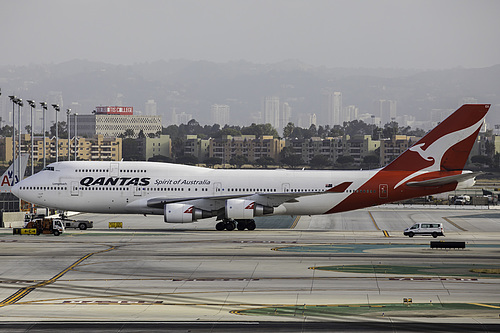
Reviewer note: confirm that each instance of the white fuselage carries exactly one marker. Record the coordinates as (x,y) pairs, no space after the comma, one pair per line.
(126,187)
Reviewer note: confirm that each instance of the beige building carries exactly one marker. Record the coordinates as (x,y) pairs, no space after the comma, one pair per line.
(149,147)
(197,147)
(98,148)
(395,146)
(357,147)
(253,148)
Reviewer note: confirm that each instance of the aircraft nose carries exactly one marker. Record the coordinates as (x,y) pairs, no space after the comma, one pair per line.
(15,189)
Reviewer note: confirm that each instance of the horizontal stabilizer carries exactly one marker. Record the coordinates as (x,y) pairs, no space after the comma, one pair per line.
(444,180)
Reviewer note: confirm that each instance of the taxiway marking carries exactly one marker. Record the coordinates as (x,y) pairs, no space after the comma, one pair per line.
(25,291)
(453,224)
(373,220)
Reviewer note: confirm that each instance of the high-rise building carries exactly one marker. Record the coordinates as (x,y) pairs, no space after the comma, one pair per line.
(312,119)
(179,118)
(332,104)
(150,108)
(272,111)
(220,114)
(350,113)
(286,114)
(386,110)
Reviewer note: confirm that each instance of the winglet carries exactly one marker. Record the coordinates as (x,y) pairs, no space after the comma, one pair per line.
(340,187)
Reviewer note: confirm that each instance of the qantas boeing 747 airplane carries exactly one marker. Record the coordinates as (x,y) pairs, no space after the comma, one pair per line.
(185,194)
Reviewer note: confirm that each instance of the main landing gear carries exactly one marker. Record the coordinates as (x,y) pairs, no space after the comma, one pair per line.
(229,225)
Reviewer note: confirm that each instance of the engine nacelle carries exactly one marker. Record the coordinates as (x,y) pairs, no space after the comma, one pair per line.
(183,213)
(241,209)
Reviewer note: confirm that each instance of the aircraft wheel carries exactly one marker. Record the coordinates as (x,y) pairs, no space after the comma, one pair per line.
(242,224)
(230,225)
(220,226)
(251,225)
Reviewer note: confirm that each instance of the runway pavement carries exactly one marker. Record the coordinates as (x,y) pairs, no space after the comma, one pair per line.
(296,273)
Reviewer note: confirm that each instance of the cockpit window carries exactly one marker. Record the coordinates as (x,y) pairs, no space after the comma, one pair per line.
(49,168)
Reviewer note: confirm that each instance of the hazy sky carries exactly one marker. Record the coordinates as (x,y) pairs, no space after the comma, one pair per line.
(423,34)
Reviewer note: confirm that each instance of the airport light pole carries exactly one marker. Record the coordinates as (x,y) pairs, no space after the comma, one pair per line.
(44,108)
(68,112)
(20,104)
(56,107)
(76,133)
(14,102)
(32,105)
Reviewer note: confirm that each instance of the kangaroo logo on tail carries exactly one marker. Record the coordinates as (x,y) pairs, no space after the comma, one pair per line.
(435,151)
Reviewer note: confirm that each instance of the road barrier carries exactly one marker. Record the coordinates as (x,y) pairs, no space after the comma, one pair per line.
(115,225)
(447,245)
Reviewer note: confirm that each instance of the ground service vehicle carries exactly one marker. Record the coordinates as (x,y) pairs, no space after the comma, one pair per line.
(44,226)
(433,229)
(78,224)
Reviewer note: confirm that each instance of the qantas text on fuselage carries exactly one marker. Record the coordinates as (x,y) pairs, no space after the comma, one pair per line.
(186,194)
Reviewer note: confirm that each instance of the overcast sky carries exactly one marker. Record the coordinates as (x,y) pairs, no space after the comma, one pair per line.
(421,34)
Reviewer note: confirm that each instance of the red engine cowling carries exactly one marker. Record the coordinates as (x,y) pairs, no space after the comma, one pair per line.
(183,213)
(241,209)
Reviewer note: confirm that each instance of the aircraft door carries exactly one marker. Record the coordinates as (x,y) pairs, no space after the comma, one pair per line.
(74,189)
(114,169)
(285,187)
(137,191)
(217,188)
(383,191)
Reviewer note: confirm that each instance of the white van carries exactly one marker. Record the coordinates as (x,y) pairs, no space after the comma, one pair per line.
(432,229)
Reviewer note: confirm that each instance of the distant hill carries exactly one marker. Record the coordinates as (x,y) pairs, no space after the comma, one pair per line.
(193,86)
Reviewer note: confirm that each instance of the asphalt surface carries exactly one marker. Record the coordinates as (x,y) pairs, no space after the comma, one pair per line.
(345,272)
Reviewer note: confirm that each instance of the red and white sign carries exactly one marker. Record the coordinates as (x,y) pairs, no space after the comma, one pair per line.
(125,110)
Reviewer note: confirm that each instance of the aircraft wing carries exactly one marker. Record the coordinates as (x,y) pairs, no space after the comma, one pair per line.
(444,180)
(265,199)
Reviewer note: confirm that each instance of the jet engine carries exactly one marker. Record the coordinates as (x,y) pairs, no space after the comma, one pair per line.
(242,209)
(184,213)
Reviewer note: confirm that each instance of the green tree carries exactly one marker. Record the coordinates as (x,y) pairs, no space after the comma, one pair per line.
(229,131)
(129,133)
(319,161)
(130,151)
(259,130)
(172,130)
(187,159)
(390,129)
(62,130)
(371,161)
(265,161)
(346,159)
(293,161)
(161,158)
(211,161)
(6,131)
(481,159)
(238,160)
(288,130)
